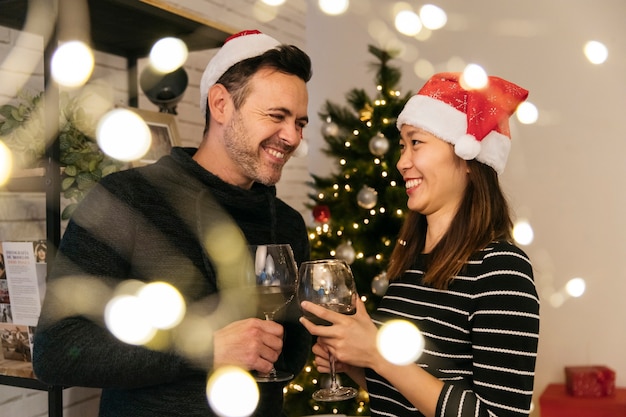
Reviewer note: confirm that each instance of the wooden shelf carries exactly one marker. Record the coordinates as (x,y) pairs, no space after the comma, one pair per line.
(130,27)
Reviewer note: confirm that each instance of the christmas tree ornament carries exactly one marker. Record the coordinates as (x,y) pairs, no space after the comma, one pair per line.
(321,213)
(330,128)
(475,121)
(366,113)
(379,144)
(380,283)
(367,197)
(302,150)
(346,252)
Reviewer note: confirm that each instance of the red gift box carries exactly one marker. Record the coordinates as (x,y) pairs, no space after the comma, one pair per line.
(589,381)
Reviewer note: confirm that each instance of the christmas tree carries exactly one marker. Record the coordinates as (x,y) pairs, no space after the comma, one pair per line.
(358,209)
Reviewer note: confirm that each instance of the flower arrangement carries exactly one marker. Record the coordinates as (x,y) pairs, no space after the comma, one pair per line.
(22,129)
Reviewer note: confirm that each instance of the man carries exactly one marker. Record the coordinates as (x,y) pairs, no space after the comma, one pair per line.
(170,222)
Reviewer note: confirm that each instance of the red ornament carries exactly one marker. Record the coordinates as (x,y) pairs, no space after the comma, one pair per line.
(321,214)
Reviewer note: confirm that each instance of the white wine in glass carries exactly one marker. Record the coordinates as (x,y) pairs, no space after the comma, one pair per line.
(276,276)
(330,284)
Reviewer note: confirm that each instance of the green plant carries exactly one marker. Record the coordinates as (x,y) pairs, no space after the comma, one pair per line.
(22,129)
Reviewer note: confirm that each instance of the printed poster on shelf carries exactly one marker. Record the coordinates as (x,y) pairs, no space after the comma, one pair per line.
(23,269)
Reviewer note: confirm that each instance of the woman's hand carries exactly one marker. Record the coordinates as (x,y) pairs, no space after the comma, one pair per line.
(351,339)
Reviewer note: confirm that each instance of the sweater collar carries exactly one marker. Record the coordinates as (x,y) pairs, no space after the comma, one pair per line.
(258,203)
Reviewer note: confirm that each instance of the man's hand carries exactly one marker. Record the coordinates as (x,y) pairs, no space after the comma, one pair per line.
(252,344)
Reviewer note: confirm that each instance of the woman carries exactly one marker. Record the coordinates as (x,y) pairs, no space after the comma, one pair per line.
(454,273)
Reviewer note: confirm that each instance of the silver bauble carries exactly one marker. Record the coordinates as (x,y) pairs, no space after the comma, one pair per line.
(380,283)
(367,197)
(346,252)
(330,128)
(379,144)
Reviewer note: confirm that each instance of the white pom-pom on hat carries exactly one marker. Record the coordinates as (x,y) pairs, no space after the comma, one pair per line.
(238,47)
(467,147)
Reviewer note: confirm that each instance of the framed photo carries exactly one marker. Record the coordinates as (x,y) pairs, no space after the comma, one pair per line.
(164,134)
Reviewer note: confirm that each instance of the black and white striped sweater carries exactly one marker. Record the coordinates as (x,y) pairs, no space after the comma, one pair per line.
(481,336)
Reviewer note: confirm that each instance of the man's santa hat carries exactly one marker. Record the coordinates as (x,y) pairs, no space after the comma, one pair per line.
(475,121)
(238,47)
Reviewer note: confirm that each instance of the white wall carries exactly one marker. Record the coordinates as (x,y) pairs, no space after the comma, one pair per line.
(565,174)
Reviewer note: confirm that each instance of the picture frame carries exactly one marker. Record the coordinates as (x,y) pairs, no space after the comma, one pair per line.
(164,134)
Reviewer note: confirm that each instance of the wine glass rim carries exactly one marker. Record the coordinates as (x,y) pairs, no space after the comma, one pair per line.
(325,261)
(271,244)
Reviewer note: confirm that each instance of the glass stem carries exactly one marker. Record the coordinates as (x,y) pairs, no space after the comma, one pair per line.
(333,375)
(270,317)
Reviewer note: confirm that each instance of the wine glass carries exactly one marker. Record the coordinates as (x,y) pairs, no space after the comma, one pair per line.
(330,284)
(276,277)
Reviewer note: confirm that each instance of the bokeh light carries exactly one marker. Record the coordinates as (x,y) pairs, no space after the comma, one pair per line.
(400,342)
(575,287)
(6,163)
(474,77)
(408,23)
(72,64)
(128,321)
(424,69)
(596,52)
(527,113)
(123,135)
(163,303)
(264,12)
(433,17)
(168,54)
(232,392)
(334,7)
(556,299)
(273,2)
(523,232)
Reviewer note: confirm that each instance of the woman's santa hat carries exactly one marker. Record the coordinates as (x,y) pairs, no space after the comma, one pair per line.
(475,121)
(238,47)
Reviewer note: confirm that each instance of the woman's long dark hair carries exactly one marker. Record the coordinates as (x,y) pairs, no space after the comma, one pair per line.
(483,217)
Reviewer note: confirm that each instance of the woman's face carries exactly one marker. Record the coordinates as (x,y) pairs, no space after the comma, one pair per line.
(434,176)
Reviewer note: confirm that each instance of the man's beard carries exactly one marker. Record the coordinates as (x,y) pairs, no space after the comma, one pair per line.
(247,159)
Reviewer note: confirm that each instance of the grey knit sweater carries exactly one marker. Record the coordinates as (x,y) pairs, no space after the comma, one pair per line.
(146,224)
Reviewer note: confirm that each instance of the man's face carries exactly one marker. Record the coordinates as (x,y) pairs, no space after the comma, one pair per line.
(262,135)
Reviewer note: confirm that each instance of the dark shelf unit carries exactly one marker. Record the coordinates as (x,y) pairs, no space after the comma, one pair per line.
(126,28)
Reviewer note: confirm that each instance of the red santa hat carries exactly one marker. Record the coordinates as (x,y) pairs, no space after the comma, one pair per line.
(475,121)
(238,47)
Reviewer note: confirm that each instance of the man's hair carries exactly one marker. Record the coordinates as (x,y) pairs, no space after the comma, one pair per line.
(288,59)
(482,217)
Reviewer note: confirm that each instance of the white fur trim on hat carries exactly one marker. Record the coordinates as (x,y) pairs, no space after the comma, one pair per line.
(450,125)
(494,150)
(435,117)
(233,51)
